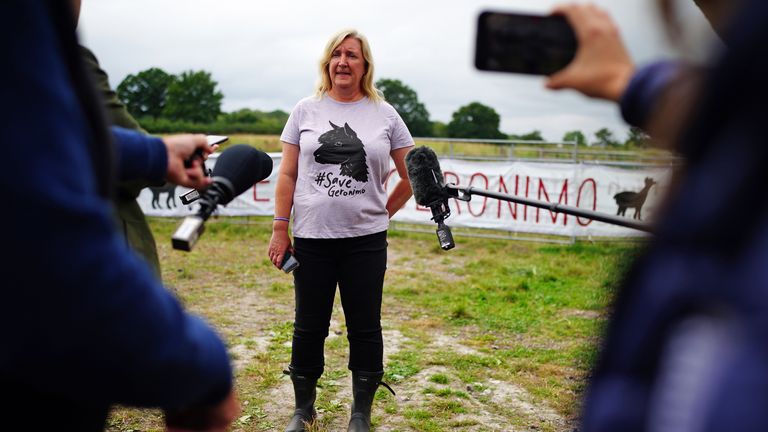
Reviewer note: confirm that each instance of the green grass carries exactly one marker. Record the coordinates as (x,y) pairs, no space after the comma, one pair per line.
(465,330)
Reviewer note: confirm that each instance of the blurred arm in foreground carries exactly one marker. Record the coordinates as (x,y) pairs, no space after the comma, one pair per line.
(84,323)
(685,348)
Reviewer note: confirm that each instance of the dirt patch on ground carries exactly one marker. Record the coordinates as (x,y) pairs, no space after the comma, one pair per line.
(253,309)
(488,403)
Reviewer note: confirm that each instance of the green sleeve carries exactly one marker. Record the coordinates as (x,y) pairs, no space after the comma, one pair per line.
(129,217)
(116,110)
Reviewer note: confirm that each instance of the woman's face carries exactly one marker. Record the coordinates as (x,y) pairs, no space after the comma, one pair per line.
(347,65)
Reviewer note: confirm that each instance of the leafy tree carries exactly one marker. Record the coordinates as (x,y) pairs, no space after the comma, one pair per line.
(575,136)
(406,102)
(145,93)
(278,115)
(439,129)
(475,121)
(605,138)
(637,137)
(245,115)
(193,97)
(273,119)
(247,120)
(530,136)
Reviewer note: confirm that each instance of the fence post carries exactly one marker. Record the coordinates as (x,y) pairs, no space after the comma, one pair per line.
(575,151)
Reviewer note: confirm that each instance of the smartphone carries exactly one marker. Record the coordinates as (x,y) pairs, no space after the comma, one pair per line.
(289,263)
(212,140)
(523,43)
(216,139)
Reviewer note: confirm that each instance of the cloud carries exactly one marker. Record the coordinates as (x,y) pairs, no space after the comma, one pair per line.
(264,54)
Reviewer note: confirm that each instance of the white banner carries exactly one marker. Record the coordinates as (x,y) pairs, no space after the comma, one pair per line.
(599,188)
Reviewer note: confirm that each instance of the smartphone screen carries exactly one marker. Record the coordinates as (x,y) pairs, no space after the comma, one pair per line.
(523,43)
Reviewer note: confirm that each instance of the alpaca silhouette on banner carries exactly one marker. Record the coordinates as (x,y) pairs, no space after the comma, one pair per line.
(168,188)
(634,200)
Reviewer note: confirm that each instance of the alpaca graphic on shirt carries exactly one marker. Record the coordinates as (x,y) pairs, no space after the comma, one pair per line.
(341,146)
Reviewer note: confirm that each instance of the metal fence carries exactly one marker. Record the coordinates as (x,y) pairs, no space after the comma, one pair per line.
(553,151)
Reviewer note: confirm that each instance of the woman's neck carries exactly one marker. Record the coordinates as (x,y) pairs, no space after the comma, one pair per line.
(346,95)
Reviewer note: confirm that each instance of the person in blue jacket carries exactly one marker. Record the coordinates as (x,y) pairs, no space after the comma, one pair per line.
(84,324)
(686,348)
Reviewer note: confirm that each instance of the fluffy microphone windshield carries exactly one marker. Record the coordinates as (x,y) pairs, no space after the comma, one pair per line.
(243,166)
(425,176)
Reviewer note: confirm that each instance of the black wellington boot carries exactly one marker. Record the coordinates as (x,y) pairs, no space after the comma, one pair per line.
(364,387)
(304,390)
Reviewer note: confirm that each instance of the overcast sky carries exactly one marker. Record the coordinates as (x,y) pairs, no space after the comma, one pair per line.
(264,54)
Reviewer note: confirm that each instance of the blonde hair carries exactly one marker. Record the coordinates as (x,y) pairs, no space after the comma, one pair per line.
(367,86)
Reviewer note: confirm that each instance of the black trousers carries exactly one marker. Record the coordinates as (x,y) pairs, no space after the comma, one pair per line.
(357,265)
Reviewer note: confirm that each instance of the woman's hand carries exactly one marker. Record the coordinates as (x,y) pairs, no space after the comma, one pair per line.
(279,243)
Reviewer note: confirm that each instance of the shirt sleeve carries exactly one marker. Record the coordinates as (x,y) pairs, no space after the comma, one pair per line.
(139,156)
(644,89)
(291,132)
(399,135)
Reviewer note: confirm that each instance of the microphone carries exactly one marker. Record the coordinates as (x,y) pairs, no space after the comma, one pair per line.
(237,168)
(428,187)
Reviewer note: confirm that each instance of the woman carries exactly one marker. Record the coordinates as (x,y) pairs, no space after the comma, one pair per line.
(336,150)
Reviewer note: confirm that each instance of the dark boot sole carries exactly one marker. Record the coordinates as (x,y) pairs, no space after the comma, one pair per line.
(358,424)
(298,423)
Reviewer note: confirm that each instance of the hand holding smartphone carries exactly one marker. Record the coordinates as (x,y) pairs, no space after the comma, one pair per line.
(523,43)
(194,194)
(212,140)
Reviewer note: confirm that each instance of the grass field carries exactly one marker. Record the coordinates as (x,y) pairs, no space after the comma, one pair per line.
(495,335)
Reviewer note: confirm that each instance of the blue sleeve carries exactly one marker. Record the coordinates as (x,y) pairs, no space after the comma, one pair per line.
(644,89)
(81,315)
(139,156)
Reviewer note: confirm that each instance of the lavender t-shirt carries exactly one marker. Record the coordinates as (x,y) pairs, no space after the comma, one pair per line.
(343,163)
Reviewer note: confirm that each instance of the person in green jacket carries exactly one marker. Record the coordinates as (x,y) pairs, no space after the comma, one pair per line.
(129,216)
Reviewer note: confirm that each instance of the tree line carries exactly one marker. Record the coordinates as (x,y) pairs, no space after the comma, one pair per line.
(191,102)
